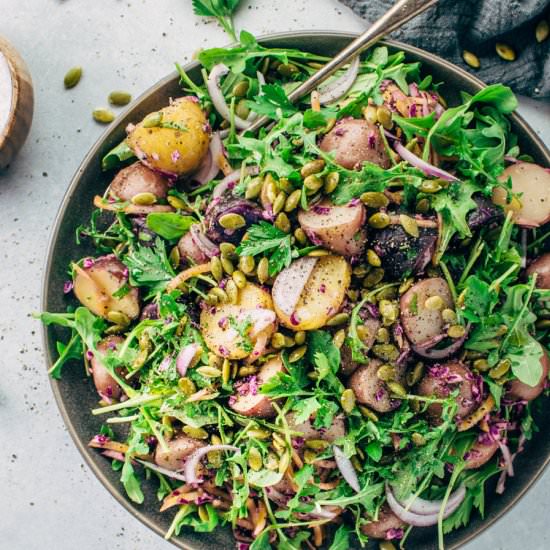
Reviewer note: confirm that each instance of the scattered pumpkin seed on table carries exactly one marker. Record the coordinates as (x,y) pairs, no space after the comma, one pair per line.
(103,116)
(72,77)
(119,98)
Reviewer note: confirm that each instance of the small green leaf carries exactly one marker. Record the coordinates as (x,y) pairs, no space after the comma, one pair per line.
(116,156)
(264,478)
(169,225)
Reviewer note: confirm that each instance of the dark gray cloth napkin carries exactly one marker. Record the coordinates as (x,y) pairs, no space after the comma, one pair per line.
(453,26)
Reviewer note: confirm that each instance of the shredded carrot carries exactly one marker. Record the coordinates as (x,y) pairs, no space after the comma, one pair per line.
(296,459)
(328,486)
(99,202)
(193,271)
(317,535)
(315,103)
(225,167)
(110,445)
(180,496)
(261,517)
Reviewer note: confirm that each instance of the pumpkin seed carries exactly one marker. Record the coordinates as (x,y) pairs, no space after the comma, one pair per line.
(505,52)
(423,206)
(338,319)
(175,202)
(227,265)
(386,373)
(379,220)
(242,110)
(313,183)
(119,98)
(434,303)
(73,76)
(209,372)
(258,433)
(287,69)
(347,400)
(240,89)
(430,186)
(471,59)
(404,286)
(282,222)
(247,371)
(331,182)
(226,371)
(318,253)
(542,30)
(114,329)
(246,264)
(232,221)
(501,369)
(285,185)
(239,278)
(203,513)
(254,188)
(300,337)
(271,462)
(263,270)
(211,300)
(356,464)
(312,167)
(386,352)
(373,258)
(269,188)
(103,116)
(228,250)
(386,545)
(144,341)
(397,389)
(197,433)
(365,411)
(456,331)
(255,459)
(220,294)
(278,340)
(118,318)
(293,200)
(338,338)
(300,235)
(310,456)
(144,199)
(216,268)
(284,462)
(279,202)
(374,199)
(232,291)
(369,114)
(382,335)
(388,310)
(297,354)
(373,277)
(214,360)
(481,365)
(409,225)
(187,386)
(317,444)
(384,116)
(416,374)
(448,315)
(418,439)
(501,330)
(152,120)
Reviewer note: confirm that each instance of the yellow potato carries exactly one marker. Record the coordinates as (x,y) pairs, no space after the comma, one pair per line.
(321,297)
(175,142)
(254,304)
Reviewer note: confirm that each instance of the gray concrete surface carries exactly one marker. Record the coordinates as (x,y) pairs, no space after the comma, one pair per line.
(49,500)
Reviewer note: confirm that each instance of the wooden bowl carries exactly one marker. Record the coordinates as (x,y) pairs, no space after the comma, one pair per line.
(16,103)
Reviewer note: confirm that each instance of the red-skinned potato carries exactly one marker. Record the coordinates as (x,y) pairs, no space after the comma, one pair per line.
(105,384)
(179,449)
(189,249)
(335,431)
(95,285)
(370,390)
(533,182)
(174,140)
(251,402)
(356,141)
(521,391)
(541,266)
(441,380)
(420,323)
(135,179)
(338,228)
(386,520)
(481,452)
(347,365)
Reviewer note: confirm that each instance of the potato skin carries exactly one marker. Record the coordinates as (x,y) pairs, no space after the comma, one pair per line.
(94,287)
(541,266)
(189,249)
(356,141)
(481,452)
(347,365)
(521,391)
(179,449)
(135,179)
(386,520)
(337,228)
(439,381)
(322,296)
(105,384)
(334,432)
(422,324)
(173,151)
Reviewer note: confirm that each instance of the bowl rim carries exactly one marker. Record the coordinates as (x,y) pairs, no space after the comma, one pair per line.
(115,490)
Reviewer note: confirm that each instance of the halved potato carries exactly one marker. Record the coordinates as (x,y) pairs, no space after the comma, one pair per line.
(541,266)
(321,295)
(254,304)
(179,449)
(105,384)
(176,142)
(135,179)
(533,183)
(95,285)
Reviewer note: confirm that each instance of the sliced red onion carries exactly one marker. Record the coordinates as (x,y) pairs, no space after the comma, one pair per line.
(210,168)
(261,79)
(161,470)
(186,358)
(501,485)
(420,520)
(335,90)
(346,468)
(203,242)
(115,455)
(231,180)
(508,458)
(190,470)
(260,318)
(165,363)
(216,95)
(287,295)
(321,512)
(423,507)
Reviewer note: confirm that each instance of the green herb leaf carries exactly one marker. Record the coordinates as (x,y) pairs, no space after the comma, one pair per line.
(116,156)
(131,483)
(272,102)
(169,225)
(264,478)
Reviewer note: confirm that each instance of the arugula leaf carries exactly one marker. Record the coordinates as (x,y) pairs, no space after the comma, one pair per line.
(116,156)
(264,478)
(264,237)
(72,350)
(415,126)
(272,102)
(169,225)
(131,483)
(261,542)
(341,538)
(304,408)
(222,10)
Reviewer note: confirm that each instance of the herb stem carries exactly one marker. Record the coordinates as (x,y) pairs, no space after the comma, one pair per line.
(449,279)
(496,283)
(122,419)
(474,255)
(131,403)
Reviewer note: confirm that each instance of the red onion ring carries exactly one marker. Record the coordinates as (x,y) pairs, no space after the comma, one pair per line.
(335,90)
(423,507)
(209,169)
(346,468)
(186,358)
(193,461)
(203,242)
(216,95)
(420,520)
(161,470)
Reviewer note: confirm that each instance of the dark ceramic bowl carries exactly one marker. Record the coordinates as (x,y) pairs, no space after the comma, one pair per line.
(75,394)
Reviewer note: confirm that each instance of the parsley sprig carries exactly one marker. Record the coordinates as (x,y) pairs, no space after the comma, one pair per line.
(222,10)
